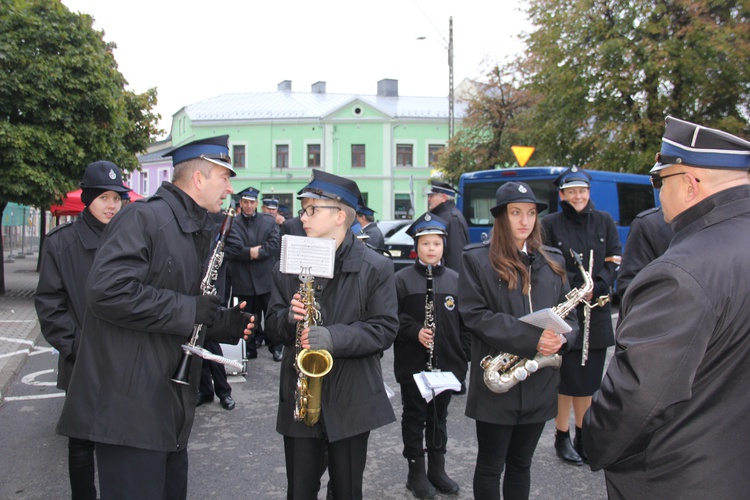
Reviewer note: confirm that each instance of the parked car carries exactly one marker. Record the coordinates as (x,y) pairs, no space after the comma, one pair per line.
(401,247)
(389,227)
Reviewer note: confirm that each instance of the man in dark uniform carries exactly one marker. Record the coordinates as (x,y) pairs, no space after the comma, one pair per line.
(271,206)
(671,417)
(143,300)
(366,219)
(359,321)
(583,229)
(60,297)
(252,249)
(440,201)
(648,239)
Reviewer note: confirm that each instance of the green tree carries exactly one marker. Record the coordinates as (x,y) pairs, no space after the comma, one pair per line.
(488,129)
(63,103)
(608,72)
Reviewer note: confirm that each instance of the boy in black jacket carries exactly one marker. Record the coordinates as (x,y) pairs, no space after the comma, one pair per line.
(423,422)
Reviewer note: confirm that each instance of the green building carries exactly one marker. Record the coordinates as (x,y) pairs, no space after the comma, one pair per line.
(388,144)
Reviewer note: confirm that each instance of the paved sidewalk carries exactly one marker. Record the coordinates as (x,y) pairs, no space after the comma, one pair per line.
(19,327)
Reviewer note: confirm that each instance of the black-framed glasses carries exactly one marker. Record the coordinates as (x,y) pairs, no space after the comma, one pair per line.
(657,180)
(310,211)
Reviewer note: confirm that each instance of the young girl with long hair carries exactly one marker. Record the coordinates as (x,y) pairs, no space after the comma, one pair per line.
(511,276)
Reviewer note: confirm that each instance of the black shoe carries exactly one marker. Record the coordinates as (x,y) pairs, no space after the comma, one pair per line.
(417,481)
(203,399)
(462,390)
(277,355)
(252,354)
(578,446)
(564,448)
(437,476)
(227,403)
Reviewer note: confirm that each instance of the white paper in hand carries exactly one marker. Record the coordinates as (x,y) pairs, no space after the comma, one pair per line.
(431,384)
(546,319)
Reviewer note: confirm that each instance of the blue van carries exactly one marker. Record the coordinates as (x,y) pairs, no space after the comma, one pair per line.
(622,195)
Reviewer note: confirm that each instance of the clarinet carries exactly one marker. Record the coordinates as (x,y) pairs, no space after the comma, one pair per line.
(429,320)
(208,287)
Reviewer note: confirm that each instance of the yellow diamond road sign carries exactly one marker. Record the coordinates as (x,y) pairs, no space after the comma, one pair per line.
(523,153)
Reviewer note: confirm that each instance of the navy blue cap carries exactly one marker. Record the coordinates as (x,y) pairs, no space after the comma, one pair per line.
(103,175)
(213,149)
(323,185)
(362,210)
(249,193)
(573,177)
(514,192)
(693,145)
(427,223)
(440,187)
(271,201)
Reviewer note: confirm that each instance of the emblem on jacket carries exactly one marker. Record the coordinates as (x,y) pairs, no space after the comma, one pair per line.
(450,302)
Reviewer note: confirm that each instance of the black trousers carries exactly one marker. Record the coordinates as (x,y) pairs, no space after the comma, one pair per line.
(81,469)
(257,305)
(423,424)
(126,473)
(505,446)
(213,375)
(346,466)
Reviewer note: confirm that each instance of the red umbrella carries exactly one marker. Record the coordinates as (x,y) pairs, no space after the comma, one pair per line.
(72,204)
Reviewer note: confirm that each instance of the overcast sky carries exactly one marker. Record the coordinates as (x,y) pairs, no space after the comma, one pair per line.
(192,50)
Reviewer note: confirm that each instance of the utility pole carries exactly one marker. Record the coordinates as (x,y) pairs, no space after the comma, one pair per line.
(450,78)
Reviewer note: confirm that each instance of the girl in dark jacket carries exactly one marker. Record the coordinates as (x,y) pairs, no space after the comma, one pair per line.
(60,298)
(583,229)
(425,423)
(500,282)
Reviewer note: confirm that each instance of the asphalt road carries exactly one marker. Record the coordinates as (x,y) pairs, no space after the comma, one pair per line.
(238,454)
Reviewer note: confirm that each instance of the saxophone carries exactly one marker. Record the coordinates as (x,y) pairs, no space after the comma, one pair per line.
(311,364)
(505,370)
(429,321)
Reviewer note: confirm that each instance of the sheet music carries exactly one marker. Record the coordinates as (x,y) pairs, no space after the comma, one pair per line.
(315,254)
(431,384)
(547,320)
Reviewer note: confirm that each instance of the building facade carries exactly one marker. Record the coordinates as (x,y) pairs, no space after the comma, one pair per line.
(388,144)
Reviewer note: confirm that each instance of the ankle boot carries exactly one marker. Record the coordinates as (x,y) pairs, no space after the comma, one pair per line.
(578,446)
(565,449)
(417,481)
(437,475)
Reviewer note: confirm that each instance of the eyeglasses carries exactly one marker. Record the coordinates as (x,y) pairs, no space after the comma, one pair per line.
(310,211)
(657,180)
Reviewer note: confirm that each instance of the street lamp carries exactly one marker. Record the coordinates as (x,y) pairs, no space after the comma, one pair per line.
(449,47)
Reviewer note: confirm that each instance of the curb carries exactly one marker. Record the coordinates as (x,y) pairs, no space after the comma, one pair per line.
(12,367)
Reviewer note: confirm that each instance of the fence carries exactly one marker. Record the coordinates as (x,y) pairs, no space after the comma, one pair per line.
(20,231)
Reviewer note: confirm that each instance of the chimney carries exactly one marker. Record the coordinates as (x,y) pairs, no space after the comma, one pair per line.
(388,87)
(319,88)
(285,86)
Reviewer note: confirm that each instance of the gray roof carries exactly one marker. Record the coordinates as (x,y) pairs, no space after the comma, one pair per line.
(302,105)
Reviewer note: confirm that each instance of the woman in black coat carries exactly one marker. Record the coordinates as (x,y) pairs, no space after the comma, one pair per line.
(500,282)
(60,298)
(581,228)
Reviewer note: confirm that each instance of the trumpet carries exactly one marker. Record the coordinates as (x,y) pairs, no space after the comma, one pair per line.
(208,287)
(505,370)
(311,364)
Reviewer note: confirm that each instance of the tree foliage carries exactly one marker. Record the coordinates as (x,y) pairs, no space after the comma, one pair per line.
(63,102)
(488,129)
(607,73)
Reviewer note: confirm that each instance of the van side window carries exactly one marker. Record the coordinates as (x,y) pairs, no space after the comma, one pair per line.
(478,199)
(634,199)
